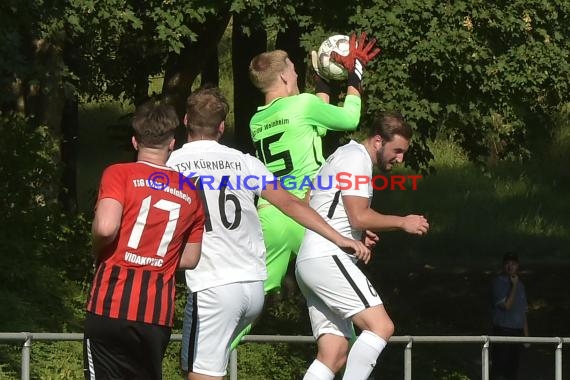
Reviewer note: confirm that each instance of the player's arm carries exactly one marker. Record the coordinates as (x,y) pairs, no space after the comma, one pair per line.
(362,217)
(299,211)
(106,224)
(336,118)
(322,86)
(193,248)
(190,256)
(323,90)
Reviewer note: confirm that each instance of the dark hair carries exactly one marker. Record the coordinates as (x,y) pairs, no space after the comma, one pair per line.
(154,124)
(510,256)
(206,108)
(388,124)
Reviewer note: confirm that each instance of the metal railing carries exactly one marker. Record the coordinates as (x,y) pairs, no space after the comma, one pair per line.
(409,341)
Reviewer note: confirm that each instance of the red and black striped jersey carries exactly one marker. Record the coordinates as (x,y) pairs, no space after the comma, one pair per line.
(135,278)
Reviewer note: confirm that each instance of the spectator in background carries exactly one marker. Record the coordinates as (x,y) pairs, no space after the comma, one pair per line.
(509,307)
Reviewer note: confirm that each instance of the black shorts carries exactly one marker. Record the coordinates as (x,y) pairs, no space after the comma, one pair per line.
(116,349)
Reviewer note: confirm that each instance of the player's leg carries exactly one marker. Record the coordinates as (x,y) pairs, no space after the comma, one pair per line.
(188,324)
(219,313)
(149,345)
(331,357)
(330,329)
(282,237)
(377,328)
(116,349)
(103,354)
(348,293)
(254,301)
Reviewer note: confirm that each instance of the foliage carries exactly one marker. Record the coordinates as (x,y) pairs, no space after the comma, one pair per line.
(43,250)
(108,47)
(271,361)
(489,74)
(118,43)
(492,77)
(56,360)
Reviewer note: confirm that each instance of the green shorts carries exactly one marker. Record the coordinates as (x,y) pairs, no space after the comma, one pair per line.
(283,237)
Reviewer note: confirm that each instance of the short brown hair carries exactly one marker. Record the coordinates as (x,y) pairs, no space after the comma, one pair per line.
(388,124)
(154,124)
(264,68)
(206,108)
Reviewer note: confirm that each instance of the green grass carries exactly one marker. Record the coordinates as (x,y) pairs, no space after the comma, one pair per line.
(475,213)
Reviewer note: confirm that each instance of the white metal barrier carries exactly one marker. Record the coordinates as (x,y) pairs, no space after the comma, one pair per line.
(409,341)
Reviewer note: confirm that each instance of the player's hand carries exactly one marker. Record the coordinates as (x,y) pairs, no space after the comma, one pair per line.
(356,248)
(370,239)
(321,84)
(415,224)
(366,51)
(315,62)
(514,279)
(362,51)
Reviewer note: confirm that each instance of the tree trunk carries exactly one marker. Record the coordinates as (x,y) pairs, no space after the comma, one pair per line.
(141,86)
(70,129)
(246,97)
(211,72)
(289,40)
(182,69)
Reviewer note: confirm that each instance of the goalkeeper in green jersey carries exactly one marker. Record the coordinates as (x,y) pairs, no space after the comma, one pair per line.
(287,133)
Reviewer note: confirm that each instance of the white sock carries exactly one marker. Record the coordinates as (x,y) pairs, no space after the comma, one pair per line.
(318,371)
(363,356)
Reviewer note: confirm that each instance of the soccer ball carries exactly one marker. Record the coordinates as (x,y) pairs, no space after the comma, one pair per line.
(328,68)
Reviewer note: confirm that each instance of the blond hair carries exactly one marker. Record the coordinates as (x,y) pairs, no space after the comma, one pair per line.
(265,67)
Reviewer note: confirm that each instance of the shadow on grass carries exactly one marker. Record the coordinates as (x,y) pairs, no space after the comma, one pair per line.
(439,284)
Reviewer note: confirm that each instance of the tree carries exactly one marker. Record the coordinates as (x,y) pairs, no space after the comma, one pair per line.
(489,74)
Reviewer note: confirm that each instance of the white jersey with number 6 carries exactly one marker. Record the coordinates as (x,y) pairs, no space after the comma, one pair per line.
(232,246)
(347,169)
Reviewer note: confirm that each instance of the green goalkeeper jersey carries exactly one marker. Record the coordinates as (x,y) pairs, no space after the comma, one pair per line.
(287,135)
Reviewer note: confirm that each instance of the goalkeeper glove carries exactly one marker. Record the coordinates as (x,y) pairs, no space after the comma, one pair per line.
(321,85)
(359,54)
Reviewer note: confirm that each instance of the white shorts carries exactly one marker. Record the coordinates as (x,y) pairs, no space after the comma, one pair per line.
(212,320)
(335,290)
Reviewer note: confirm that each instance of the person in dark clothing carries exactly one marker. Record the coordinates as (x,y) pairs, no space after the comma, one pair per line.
(509,308)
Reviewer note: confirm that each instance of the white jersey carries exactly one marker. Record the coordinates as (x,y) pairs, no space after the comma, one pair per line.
(232,246)
(337,177)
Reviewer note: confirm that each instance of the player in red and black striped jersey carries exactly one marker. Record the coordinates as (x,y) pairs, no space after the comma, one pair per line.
(145,227)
